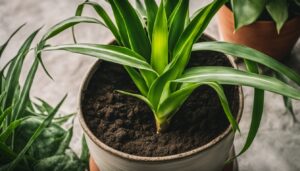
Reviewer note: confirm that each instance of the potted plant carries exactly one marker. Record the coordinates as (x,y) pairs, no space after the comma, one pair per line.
(169,107)
(32,136)
(272,27)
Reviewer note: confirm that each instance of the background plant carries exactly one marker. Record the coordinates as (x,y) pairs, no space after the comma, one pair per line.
(248,11)
(31,137)
(154,44)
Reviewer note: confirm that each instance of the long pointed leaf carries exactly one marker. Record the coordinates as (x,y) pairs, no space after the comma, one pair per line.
(152,9)
(24,96)
(258,103)
(138,80)
(195,29)
(70,22)
(2,47)
(287,101)
(102,13)
(84,156)
(159,55)
(249,54)
(226,75)
(257,109)
(10,129)
(170,5)
(5,113)
(15,71)
(137,36)
(174,101)
(144,99)
(177,23)
(224,102)
(140,7)
(115,54)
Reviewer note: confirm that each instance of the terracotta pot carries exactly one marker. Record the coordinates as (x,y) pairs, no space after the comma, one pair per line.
(210,156)
(261,35)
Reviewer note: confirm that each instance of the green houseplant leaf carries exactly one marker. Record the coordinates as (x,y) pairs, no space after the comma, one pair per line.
(246,12)
(159,55)
(278,9)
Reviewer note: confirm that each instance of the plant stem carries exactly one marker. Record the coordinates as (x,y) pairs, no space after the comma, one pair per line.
(162,126)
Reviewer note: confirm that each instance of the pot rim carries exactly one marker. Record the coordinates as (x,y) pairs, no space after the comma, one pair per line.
(289,20)
(131,157)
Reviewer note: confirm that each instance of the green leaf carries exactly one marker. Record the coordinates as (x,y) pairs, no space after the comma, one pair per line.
(157,88)
(5,149)
(70,22)
(45,106)
(132,33)
(140,7)
(138,80)
(287,101)
(110,53)
(226,75)
(177,23)
(278,9)
(151,8)
(134,30)
(159,55)
(14,71)
(249,54)
(2,47)
(2,95)
(24,96)
(257,109)
(191,34)
(10,129)
(5,113)
(170,5)
(195,29)
(102,13)
(170,105)
(144,99)
(246,11)
(36,134)
(65,143)
(224,102)
(258,105)
(63,119)
(84,151)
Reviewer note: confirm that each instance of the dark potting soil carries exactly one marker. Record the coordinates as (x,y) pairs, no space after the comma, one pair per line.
(127,124)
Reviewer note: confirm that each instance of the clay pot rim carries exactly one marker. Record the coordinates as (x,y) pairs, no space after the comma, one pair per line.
(129,157)
(297,17)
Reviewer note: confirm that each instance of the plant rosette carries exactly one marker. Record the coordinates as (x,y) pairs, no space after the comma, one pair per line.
(154,80)
(275,35)
(108,158)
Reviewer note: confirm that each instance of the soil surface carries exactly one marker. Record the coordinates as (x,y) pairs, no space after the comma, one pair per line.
(127,124)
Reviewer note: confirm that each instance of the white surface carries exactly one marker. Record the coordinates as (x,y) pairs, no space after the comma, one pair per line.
(277,146)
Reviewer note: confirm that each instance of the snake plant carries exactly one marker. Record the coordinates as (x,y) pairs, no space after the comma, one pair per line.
(154,44)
